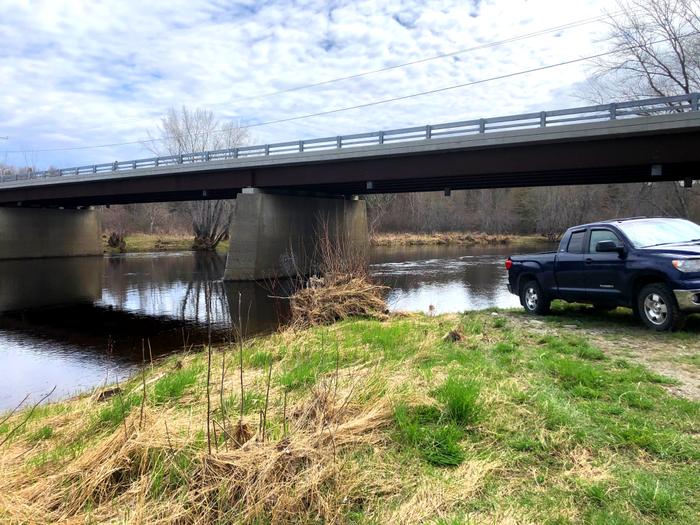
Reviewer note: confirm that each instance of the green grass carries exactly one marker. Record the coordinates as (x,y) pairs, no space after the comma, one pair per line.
(170,472)
(117,409)
(422,430)
(41,434)
(577,435)
(435,432)
(460,397)
(252,403)
(175,384)
(653,497)
(693,360)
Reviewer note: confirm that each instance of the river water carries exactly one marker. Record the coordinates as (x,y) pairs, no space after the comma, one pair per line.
(78,323)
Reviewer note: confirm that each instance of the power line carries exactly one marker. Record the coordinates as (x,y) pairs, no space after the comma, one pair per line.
(541,32)
(488,45)
(367,104)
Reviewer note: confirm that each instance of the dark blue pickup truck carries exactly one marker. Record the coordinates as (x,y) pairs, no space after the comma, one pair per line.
(651,265)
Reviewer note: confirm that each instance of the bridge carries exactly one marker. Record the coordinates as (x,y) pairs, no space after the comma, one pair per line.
(283,188)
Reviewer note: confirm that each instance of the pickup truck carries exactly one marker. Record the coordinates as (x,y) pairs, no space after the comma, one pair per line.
(651,265)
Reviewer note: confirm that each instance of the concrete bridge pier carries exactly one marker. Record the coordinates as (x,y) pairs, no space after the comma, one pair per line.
(28,233)
(276,236)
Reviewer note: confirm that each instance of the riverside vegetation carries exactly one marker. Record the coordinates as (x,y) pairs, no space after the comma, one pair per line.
(144,242)
(484,417)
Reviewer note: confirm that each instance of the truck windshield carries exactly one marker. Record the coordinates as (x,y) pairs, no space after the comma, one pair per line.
(645,233)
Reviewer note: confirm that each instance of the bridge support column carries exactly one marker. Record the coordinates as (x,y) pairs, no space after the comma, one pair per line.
(276,236)
(37,233)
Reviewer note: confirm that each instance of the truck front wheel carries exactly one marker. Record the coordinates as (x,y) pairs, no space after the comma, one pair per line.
(533,299)
(658,309)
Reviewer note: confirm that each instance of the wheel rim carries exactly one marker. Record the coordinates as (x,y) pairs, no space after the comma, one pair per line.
(656,309)
(531,298)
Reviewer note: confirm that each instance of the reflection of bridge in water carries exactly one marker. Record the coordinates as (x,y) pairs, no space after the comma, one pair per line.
(170,301)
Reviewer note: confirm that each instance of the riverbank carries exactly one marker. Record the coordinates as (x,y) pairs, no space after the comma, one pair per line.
(144,242)
(446,238)
(485,417)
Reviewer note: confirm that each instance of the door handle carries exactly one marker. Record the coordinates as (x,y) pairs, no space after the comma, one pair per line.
(589,261)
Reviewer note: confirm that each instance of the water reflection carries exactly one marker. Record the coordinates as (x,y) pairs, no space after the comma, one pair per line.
(37,283)
(61,315)
(448,279)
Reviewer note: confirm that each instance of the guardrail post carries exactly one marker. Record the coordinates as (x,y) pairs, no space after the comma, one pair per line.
(482,126)
(133,165)
(428,131)
(207,156)
(695,102)
(380,139)
(613,111)
(179,159)
(267,150)
(235,153)
(157,161)
(94,168)
(115,166)
(543,119)
(339,142)
(301,146)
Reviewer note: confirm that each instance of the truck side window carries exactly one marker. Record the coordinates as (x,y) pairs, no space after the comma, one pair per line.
(601,235)
(576,242)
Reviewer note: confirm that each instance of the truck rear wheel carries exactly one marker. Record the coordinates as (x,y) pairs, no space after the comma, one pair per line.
(533,299)
(658,309)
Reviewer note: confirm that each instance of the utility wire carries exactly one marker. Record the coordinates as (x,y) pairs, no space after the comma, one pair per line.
(488,45)
(367,104)
(541,32)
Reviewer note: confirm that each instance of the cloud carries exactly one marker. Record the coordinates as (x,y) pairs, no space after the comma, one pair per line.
(81,73)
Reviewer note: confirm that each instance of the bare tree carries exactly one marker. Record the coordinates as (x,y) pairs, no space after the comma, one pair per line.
(196,131)
(655,47)
(378,205)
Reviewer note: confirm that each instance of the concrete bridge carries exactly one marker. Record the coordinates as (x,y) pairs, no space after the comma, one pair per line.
(283,190)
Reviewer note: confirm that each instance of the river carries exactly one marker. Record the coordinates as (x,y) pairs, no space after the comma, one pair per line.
(77,323)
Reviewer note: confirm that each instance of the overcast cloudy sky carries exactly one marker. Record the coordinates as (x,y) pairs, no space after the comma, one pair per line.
(84,73)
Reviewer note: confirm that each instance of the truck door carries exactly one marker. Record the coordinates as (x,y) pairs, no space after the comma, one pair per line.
(569,268)
(604,271)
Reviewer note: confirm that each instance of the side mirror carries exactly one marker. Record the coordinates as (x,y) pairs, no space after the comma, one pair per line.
(609,246)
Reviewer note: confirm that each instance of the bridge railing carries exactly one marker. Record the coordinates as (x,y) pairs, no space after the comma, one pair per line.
(542,119)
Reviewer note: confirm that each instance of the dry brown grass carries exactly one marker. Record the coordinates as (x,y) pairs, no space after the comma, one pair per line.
(334,297)
(343,288)
(438,238)
(433,499)
(300,476)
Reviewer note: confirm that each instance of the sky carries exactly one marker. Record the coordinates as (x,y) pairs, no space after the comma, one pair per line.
(78,74)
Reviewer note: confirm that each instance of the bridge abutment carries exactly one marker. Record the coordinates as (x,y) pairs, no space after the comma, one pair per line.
(28,233)
(276,236)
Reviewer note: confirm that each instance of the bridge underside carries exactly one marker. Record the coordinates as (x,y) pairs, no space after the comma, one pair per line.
(623,159)
(283,200)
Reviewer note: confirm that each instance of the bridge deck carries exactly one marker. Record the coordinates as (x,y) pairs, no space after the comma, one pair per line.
(547,151)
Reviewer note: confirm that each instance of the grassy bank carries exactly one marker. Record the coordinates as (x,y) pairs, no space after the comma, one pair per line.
(449,238)
(475,418)
(145,242)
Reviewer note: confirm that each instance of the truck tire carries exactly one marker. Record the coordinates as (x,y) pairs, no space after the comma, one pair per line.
(533,299)
(658,308)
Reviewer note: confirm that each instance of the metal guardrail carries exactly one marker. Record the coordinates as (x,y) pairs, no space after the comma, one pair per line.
(543,119)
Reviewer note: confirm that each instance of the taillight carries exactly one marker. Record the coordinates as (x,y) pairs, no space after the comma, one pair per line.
(509,264)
